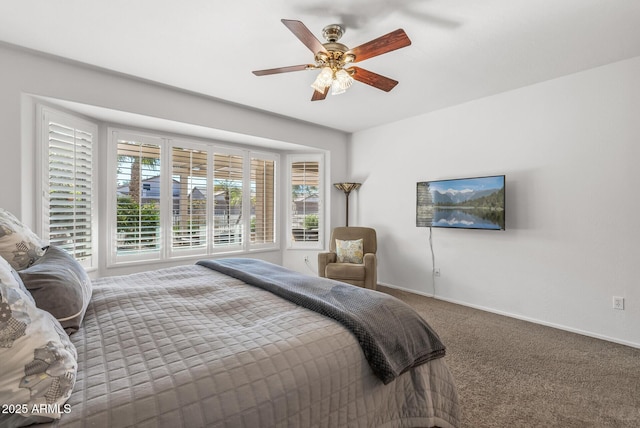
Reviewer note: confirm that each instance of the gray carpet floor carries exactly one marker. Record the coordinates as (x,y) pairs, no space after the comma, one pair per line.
(513,373)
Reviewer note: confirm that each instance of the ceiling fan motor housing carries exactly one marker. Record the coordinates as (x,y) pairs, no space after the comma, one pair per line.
(333,32)
(336,56)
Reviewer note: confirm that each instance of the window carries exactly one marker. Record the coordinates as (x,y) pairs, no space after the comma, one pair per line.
(306,219)
(228,226)
(263,227)
(67,185)
(179,198)
(189,198)
(138,196)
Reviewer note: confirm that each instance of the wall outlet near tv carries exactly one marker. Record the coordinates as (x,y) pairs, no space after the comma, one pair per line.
(618,303)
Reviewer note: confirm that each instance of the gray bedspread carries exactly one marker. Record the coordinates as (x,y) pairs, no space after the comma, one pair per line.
(394,337)
(191,347)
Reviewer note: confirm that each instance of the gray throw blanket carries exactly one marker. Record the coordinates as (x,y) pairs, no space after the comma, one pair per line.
(393,336)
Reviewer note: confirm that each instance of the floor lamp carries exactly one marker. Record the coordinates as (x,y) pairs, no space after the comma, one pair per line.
(347,188)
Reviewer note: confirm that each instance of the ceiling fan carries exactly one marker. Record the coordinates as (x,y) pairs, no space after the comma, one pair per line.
(334,59)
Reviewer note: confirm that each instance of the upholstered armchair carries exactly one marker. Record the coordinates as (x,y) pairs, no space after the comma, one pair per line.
(349,260)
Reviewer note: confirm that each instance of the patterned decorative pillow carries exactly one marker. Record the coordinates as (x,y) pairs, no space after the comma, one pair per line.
(349,251)
(60,286)
(18,244)
(39,363)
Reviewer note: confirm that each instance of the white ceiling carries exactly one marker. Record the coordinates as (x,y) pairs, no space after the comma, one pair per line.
(461,49)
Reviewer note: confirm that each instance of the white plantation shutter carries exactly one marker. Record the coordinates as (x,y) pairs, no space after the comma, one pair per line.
(306,218)
(189,181)
(228,224)
(68,187)
(138,193)
(262,201)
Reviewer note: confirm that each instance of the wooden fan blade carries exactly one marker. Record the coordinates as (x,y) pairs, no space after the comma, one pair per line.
(383,44)
(305,35)
(283,69)
(373,79)
(319,96)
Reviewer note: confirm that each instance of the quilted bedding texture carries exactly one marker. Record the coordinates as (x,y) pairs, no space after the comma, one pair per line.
(191,347)
(393,337)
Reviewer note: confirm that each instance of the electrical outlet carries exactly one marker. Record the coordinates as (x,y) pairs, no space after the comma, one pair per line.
(306,259)
(618,303)
(436,271)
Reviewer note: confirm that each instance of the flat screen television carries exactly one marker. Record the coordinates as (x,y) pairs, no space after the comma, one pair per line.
(463,203)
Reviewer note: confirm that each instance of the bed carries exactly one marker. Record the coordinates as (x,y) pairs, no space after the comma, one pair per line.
(191,346)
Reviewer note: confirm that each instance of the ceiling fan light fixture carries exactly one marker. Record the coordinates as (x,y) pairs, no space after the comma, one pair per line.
(323,80)
(341,82)
(332,57)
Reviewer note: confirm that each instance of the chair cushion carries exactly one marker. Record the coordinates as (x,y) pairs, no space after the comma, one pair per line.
(342,271)
(349,251)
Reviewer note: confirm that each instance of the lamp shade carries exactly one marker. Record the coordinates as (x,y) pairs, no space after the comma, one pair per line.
(347,187)
(341,82)
(324,79)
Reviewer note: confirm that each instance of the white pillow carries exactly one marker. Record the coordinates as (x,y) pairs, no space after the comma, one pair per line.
(39,363)
(18,244)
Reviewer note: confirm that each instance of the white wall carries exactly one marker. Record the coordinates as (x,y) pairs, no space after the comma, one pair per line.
(25,74)
(570,149)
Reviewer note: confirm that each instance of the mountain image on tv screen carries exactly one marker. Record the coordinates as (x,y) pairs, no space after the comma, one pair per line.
(467,203)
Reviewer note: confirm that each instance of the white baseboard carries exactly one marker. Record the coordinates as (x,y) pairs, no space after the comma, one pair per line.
(520,317)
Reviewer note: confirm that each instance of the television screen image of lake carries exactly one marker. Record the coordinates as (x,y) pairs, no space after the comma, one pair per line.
(469,203)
